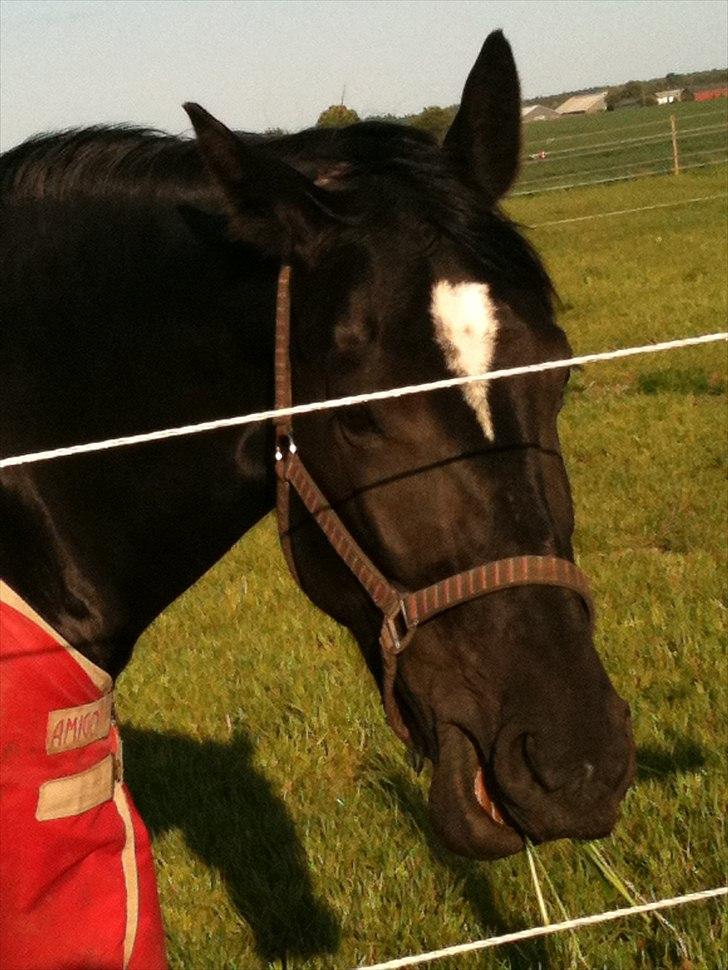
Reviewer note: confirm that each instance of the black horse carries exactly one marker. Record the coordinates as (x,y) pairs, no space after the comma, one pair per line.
(139,292)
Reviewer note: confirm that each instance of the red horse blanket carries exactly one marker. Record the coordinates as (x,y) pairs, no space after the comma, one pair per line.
(76,872)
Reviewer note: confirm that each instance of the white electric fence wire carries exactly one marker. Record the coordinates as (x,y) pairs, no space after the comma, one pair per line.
(581,150)
(624,164)
(539,931)
(704,151)
(537,187)
(717,161)
(353,399)
(664,159)
(588,133)
(608,148)
(630,170)
(627,162)
(622,212)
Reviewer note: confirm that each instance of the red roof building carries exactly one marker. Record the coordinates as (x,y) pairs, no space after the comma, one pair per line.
(708,94)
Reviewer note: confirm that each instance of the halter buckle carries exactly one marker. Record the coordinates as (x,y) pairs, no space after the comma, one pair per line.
(396,631)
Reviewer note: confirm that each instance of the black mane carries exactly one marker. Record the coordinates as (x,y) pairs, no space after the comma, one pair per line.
(113,161)
(118,161)
(130,163)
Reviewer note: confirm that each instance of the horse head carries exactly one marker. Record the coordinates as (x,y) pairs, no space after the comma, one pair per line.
(405,270)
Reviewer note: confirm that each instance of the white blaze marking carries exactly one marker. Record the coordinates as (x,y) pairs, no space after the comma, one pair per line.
(465,329)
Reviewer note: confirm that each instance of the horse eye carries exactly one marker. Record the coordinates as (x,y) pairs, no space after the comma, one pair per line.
(358,420)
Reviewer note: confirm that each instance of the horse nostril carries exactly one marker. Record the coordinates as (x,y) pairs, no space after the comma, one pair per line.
(549,776)
(555,771)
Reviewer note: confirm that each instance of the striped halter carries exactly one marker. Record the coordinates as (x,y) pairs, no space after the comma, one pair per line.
(402,611)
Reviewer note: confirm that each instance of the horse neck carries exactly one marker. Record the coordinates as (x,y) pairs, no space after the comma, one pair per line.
(101,544)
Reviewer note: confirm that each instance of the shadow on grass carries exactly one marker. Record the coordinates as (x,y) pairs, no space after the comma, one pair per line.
(393,785)
(232,819)
(683,756)
(686,381)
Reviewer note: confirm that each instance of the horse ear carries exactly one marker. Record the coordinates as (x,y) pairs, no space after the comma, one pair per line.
(269,203)
(484,140)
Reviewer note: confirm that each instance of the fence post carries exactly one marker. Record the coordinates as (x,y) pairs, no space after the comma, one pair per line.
(675,155)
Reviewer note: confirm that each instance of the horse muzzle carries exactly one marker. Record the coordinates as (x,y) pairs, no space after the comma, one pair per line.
(485,803)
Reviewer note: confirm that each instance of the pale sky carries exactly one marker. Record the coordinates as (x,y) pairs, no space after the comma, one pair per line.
(266,63)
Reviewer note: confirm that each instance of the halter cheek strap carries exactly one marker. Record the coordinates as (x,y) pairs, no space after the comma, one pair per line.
(402,611)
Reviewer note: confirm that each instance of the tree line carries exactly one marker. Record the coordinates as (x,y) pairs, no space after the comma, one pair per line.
(643,92)
(432,119)
(436,120)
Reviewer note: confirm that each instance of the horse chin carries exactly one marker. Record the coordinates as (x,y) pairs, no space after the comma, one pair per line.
(464,806)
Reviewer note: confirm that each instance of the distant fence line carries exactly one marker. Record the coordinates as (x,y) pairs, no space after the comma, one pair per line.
(668,159)
(582,150)
(537,188)
(611,131)
(603,168)
(579,165)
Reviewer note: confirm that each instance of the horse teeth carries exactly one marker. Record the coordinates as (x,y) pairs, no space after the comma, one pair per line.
(484,800)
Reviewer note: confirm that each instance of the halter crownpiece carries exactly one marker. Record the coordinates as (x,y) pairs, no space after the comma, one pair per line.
(402,611)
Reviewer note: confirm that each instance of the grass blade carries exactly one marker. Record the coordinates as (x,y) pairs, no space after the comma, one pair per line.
(628,891)
(530,852)
(576,953)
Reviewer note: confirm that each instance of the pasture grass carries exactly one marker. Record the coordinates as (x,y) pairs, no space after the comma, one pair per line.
(288,830)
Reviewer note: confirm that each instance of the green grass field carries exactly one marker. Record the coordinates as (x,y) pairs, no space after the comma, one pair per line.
(620,144)
(288,830)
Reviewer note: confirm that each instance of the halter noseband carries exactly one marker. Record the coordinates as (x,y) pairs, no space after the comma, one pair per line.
(402,611)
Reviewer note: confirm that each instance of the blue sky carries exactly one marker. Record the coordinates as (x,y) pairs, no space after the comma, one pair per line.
(265,63)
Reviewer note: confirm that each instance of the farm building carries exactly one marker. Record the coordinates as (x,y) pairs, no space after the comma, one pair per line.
(584,104)
(708,94)
(538,112)
(669,97)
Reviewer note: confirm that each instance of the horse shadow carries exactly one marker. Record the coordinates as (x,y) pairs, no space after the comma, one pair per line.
(682,757)
(233,821)
(394,786)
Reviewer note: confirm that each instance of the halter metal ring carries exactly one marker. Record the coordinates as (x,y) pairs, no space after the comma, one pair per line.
(285,445)
(396,630)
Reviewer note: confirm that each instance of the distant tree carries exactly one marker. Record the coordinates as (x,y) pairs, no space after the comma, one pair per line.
(614,96)
(633,90)
(387,119)
(688,95)
(274,132)
(632,94)
(433,119)
(337,116)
